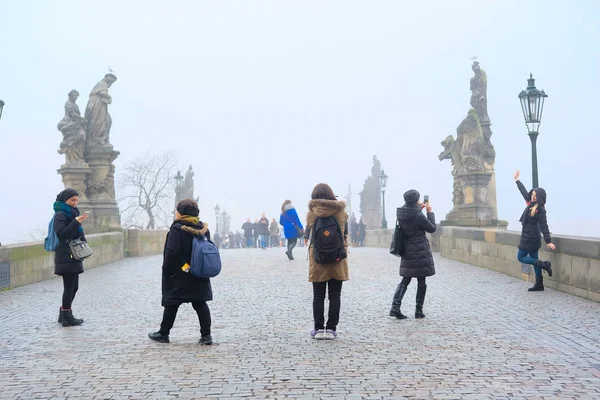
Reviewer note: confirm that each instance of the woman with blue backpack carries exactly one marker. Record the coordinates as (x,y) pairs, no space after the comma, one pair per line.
(292,227)
(327,229)
(66,225)
(179,285)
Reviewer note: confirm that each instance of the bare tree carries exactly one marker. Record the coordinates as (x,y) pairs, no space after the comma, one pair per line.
(148,187)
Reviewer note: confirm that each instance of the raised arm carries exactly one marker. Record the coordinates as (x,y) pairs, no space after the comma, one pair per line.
(522,189)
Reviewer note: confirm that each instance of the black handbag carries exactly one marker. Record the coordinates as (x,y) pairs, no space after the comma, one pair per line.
(80,250)
(397,245)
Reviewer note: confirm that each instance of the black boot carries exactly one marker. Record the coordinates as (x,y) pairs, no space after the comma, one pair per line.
(544,265)
(69,320)
(538,286)
(159,337)
(421,290)
(60,315)
(397,302)
(206,340)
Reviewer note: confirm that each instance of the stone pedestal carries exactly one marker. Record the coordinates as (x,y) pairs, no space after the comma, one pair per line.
(475,210)
(105,215)
(74,176)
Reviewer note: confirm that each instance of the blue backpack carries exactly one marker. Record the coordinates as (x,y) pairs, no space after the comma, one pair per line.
(51,242)
(205,260)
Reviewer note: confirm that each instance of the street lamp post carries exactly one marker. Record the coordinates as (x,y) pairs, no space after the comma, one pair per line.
(1,108)
(217,209)
(532,103)
(383,181)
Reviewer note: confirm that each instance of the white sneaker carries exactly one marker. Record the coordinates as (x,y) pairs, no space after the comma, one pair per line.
(330,334)
(320,335)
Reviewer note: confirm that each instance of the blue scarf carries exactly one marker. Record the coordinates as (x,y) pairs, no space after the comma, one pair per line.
(69,211)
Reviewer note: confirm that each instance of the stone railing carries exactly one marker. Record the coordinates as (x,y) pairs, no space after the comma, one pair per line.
(22,264)
(383,238)
(575,262)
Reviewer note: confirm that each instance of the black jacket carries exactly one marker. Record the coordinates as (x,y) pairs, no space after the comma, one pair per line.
(263,226)
(178,286)
(533,226)
(248,227)
(66,228)
(417,260)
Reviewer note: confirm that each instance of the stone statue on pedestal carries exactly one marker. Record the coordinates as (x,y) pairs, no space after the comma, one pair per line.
(370,197)
(90,156)
(96,113)
(188,184)
(473,157)
(72,127)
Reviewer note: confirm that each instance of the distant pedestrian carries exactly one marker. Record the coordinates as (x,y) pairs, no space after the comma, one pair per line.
(327,227)
(274,233)
(238,240)
(218,240)
(263,231)
(180,287)
(248,229)
(67,226)
(417,259)
(292,227)
(257,231)
(362,232)
(354,231)
(535,224)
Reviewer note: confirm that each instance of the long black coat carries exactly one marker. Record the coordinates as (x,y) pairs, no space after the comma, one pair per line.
(177,286)
(66,228)
(536,225)
(417,260)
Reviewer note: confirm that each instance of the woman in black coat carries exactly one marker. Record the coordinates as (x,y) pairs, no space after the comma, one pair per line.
(535,223)
(67,226)
(180,287)
(417,260)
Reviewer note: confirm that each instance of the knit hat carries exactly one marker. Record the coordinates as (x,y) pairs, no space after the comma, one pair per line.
(412,197)
(66,195)
(188,207)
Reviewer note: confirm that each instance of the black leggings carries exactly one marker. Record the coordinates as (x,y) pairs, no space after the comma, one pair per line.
(420,280)
(203,316)
(71,285)
(335,294)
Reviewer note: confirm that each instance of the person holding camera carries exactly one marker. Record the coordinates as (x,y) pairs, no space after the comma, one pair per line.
(67,226)
(534,220)
(417,259)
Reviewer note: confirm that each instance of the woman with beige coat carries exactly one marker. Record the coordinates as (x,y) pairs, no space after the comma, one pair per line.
(324,208)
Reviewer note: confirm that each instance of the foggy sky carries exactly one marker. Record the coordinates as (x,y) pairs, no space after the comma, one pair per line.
(267,98)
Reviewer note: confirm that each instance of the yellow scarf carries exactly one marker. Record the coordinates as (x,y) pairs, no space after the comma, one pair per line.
(189,219)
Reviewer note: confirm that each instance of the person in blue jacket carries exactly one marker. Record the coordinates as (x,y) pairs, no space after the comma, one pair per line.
(292,227)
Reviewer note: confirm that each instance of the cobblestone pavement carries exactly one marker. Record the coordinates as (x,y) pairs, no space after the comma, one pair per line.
(485,337)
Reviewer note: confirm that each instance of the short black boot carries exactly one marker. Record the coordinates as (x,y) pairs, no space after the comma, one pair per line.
(538,286)
(60,315)
(206,340)
(544,265)
(159,337)
(69,320)
(421,290)
(397,302)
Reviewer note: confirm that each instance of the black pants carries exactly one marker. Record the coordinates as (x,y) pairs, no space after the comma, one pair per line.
(291,243)
(71,285)
(335,293)
(420,280)
(203,316)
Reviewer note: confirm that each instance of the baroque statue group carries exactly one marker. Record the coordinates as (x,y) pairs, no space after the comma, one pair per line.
(89,155)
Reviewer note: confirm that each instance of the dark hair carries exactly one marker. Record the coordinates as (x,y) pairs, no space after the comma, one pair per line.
(188,207)
(285,203)
(323,191)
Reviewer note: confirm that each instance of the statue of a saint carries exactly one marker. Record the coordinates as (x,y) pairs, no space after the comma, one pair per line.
(96,114)
(72,126)
(479,92)
(188,184)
